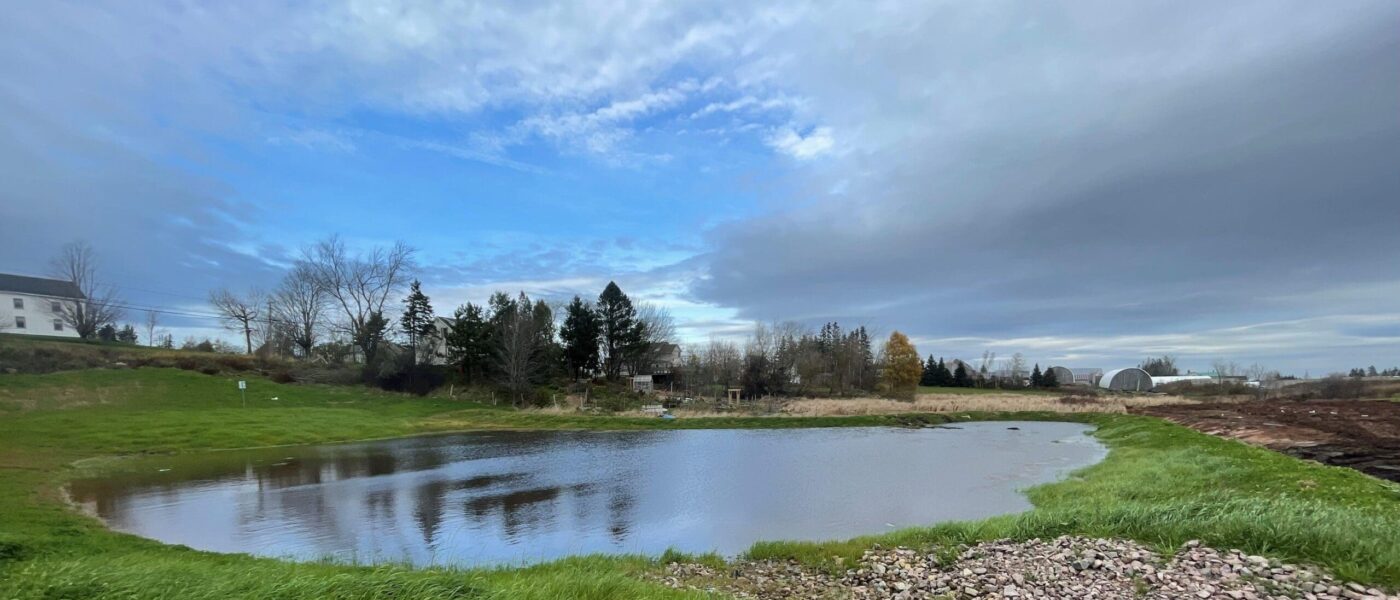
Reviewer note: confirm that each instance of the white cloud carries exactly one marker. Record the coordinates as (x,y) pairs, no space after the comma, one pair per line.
(745,103)
(803,147)
(315,139)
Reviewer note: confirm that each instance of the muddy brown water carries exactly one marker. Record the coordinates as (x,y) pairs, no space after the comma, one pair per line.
(522,497)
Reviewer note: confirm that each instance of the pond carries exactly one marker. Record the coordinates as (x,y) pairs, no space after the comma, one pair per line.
(522,497)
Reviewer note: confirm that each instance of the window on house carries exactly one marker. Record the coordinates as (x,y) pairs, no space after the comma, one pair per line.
(19,322)
(55,307)
(58,324)
(19,303)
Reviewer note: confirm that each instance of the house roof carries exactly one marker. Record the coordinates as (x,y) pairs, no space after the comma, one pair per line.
(39,286)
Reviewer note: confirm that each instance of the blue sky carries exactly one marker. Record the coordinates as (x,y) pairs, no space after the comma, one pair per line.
(1083,182)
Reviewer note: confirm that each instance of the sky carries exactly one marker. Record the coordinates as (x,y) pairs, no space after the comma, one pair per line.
(1087,183)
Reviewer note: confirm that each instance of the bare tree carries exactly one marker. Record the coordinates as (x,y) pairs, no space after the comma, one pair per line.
(360,285)
(1160,367)
(152,319)
(1016,368)
(518,343)
(299,305)
(1225,368)
(989,359)
(657,327)
(1260,373)
(238,313)
(99,305)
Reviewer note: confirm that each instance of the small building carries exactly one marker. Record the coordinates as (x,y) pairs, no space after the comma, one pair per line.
(35,305)
(1131,379)
(642,384)
(1063,375)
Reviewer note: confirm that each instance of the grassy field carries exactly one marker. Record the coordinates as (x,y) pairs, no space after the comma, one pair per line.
(1161,484)
(967,391)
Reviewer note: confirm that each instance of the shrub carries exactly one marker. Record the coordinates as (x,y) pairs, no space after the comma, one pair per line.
(282,376)
(1337,387)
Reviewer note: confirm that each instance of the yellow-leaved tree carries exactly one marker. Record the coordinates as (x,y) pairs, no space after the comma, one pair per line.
(902,367)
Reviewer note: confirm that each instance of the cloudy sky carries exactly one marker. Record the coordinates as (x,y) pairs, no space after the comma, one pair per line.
(1086,182)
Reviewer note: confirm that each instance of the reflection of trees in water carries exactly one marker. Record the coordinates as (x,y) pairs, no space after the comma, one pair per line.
(379,505)
(429,500)
(620,504)
(310,508)
(538,509)
(527,509)
(290,486)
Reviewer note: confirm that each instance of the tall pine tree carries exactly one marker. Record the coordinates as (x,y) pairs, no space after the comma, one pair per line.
(417,322)
(618,328)
(469,342)
(960,377)
(580,335)
(929,377)
(1049,379)
(1036,379)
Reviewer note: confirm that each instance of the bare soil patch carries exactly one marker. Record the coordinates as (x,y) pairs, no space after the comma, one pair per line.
(1361,434)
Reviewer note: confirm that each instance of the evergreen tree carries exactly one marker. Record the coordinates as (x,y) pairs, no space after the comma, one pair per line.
(371,335)
(1049,379)
(469,342)
(960,377)
(549,351)
(1036,380)
(417,321)
(619,329)
(580,335)
(127,335)
(107,333)
(865,360)
(930,375)
(944,376)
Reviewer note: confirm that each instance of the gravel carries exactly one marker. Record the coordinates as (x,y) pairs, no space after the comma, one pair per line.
(1065,567)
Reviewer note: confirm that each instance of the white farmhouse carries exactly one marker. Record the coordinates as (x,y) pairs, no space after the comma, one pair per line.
(34,305)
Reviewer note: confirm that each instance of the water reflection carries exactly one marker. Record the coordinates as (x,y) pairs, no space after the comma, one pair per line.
(522,497)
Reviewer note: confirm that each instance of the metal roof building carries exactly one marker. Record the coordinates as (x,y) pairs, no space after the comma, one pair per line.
(1063,375)
(1131,379)
(1170,379)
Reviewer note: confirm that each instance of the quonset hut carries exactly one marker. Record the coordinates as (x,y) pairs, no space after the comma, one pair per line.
(1063,376)
(1131,379)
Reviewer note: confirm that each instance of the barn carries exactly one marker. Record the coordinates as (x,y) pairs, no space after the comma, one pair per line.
(1131,379)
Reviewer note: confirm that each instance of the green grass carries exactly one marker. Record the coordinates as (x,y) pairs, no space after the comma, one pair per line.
(1161,484)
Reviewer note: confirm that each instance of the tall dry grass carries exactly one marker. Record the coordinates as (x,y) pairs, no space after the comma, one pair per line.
(981,403)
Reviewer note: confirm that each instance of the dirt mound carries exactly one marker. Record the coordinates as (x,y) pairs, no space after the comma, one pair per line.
(1361,434)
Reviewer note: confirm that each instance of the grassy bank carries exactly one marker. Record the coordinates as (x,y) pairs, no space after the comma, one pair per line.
(1161,484)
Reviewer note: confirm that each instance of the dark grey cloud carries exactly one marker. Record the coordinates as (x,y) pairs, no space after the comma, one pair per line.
(1111,173)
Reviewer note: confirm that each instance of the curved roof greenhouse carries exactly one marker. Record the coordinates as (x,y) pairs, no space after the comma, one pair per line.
(1131,379)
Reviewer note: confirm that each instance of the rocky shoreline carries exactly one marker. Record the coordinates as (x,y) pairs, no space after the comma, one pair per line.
(1062,568)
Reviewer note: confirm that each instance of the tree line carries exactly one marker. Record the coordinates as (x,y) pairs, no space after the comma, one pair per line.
(1372,372)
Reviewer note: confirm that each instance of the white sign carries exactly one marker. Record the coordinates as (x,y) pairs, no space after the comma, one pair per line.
(242,385)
